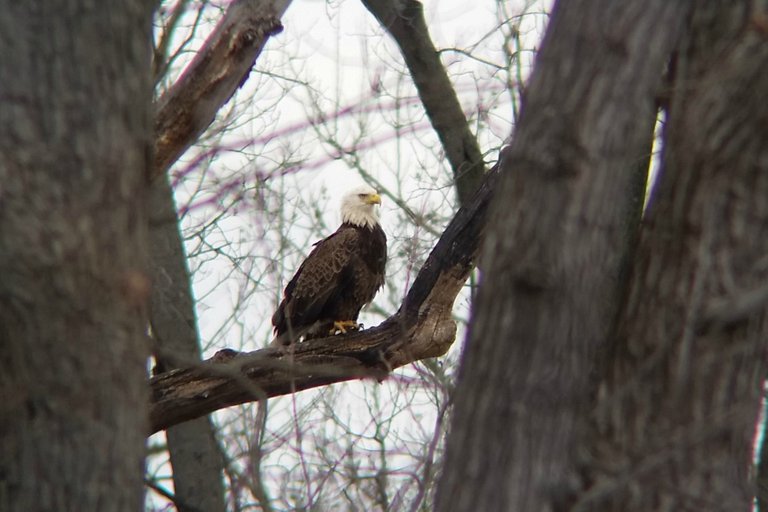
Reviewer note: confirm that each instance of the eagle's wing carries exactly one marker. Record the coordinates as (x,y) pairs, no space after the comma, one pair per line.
(326,270)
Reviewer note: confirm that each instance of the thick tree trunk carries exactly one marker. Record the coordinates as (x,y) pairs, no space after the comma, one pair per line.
(74,145)
(677,414)
(553,256)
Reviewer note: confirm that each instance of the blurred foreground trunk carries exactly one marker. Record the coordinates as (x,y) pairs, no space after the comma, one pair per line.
(74,145)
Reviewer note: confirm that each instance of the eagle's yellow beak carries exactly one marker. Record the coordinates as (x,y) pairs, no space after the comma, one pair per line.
(373,199)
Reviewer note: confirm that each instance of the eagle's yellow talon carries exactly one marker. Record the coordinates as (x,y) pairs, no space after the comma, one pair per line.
(342,326)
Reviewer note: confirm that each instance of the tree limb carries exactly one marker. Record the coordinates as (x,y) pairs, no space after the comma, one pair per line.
(405,23)
(423,327)
(221,66)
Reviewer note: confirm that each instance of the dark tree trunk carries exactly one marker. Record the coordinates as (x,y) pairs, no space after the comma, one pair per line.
(197,462)
(553,256)
(74,149)
(677,414)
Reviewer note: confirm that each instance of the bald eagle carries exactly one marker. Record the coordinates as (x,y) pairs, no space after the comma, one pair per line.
(341,274)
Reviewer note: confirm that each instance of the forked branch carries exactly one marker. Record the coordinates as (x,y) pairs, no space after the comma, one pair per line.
(422,328)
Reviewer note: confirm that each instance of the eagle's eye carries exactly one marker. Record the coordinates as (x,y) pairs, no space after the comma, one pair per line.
(361,196)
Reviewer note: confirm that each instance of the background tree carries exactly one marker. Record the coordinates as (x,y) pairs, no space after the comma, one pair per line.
(184,111)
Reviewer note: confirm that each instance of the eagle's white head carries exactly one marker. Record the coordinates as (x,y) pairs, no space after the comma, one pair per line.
(359,206)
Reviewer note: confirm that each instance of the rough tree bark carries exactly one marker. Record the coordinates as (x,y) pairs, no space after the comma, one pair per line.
(555,246)
(183,113)
(404,20)
(75,92)
(677,414)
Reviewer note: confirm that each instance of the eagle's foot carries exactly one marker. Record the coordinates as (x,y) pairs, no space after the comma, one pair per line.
(344,326)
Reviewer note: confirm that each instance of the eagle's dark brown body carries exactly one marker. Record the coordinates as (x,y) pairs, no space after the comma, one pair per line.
(341,274)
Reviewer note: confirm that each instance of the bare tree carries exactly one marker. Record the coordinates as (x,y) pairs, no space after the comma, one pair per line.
(183,112)
(433,375)
(405,21)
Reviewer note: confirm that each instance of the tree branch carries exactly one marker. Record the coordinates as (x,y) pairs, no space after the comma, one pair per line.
(423,327)
(405,23)
(221,66)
